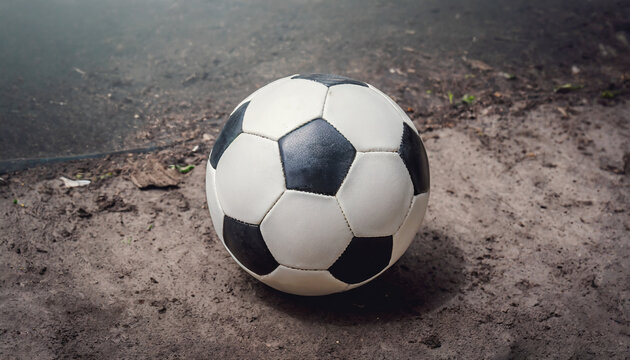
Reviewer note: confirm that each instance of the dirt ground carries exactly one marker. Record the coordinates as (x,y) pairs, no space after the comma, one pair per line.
(523,253)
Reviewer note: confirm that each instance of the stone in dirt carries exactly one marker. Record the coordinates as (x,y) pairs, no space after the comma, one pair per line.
(478,65)
(432,341)
(152,174)
(114,204)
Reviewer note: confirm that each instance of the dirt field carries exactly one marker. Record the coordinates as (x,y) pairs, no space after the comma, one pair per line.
(523,254)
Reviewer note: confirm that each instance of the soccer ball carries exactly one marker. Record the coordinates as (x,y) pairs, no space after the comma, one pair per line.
(317,184)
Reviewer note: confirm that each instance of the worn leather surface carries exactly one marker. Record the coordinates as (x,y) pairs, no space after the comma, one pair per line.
(362,259)
(249,178)
(415,158)
(405,235)
(246,244)
(330,79)
(216,213)
(316,158)
(273,113)
(364,117)
(376,194)
(306,231)
(317,184)
(301,282)
(233,127)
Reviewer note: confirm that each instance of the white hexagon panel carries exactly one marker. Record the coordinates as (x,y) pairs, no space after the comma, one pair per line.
(284,107)
(216,212)
(376,194)
(249,178)
(404,236)
(306,231)
(364,117)
(304,282)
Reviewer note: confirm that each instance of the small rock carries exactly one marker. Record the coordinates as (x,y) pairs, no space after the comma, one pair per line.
(115,204)
(432,341)
(82,213)
(478,65)
(608,164)
(65,233)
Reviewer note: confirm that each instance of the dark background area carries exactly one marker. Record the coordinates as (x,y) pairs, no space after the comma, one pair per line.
(82,77)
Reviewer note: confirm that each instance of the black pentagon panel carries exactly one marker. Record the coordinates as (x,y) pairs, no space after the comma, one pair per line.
(316,158)
(330,80)
(362,259)
(415,158)
(233,127)
(246,243)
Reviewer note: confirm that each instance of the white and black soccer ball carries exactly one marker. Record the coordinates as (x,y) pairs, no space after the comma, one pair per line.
(317,184)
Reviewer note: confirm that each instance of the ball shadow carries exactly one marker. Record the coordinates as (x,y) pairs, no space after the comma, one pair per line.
(429,274)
